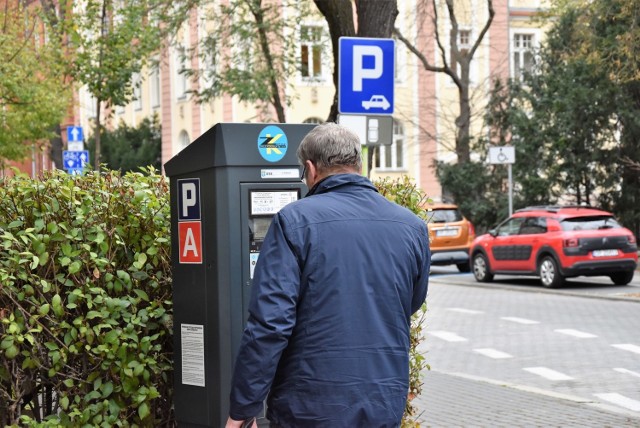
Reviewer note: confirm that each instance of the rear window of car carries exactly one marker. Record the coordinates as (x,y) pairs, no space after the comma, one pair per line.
(589,223)
(444,216)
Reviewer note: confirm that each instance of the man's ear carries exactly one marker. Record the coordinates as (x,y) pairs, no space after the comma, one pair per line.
(312,171)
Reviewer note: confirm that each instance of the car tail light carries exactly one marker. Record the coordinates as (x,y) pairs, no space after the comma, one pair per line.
(472,230)
(571,242)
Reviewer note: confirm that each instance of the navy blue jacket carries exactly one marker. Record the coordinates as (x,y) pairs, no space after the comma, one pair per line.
(339,275)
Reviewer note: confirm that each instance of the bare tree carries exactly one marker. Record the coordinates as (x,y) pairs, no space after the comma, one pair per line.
(454,57)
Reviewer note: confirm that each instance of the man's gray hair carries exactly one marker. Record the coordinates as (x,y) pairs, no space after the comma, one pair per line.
(331,146)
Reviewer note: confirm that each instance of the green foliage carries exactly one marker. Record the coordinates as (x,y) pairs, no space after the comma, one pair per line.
(129,148)
(114,40)
(85,300)
(263,56)
(406,193)
(480,191)
(568,120)
(33,98)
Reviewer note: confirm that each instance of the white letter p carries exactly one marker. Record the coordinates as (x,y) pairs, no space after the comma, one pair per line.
(359,72)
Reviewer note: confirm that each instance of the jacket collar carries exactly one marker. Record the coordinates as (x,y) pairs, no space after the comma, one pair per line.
(333,182)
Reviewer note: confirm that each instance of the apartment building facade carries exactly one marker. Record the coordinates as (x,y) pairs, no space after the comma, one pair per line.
(426,103)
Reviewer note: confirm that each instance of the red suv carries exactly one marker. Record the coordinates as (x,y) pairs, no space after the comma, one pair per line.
(554,243)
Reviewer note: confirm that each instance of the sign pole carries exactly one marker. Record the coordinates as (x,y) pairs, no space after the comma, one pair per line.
(510,191)
(504,155)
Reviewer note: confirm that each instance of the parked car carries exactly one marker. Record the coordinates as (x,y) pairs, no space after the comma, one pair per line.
(451,236)
(554,243)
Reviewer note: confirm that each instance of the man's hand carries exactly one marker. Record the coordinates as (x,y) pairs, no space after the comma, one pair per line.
(232,423)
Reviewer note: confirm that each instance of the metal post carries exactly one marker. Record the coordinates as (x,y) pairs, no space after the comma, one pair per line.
(510,191)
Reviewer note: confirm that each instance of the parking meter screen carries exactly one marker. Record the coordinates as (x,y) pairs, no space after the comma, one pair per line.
(263,205)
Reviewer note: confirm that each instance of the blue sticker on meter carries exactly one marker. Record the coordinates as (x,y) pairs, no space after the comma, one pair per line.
(272,143)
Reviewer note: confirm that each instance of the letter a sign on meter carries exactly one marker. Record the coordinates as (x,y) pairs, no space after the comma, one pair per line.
(366,75)
(189,221)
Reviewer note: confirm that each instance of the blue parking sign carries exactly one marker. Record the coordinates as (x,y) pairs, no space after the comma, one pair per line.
(366,75)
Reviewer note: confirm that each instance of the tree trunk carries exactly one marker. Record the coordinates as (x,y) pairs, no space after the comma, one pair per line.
(276,99)
(56,147)
(463,121)
(339,16)
(376,18)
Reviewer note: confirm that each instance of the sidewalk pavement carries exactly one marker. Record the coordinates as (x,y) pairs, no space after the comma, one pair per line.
(450,400)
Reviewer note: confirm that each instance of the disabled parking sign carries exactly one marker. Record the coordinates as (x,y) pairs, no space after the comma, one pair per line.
(366,75)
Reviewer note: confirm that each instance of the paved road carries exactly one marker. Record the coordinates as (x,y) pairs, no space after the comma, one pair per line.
(516,355)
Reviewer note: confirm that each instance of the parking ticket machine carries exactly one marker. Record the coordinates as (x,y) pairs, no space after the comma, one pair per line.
(226,187)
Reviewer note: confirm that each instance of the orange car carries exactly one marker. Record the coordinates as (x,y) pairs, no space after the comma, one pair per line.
(451,236)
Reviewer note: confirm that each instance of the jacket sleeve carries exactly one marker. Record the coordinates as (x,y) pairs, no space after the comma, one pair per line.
(422,282)
(272,316)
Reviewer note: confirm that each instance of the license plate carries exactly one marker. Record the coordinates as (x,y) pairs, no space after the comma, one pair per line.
(605,253)
(446,232)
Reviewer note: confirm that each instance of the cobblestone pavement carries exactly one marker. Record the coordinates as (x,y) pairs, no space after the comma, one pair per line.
(463,390)
(455,401)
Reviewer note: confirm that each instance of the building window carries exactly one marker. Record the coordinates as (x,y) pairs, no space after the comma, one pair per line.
(181,76)
(183,139)
(137,91)
(310,52)
(522,54)
(154,86)
(314,120)
(464,46)
(392,157)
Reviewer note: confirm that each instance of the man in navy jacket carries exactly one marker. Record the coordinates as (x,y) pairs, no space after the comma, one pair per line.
(339,275)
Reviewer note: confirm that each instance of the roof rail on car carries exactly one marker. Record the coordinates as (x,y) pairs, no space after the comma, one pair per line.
(551,208)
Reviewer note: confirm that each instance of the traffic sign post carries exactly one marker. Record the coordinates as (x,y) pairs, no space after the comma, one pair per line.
(366,75)
(504,155)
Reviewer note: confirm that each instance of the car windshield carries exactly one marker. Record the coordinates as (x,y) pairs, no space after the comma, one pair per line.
(589,223)
(444,216)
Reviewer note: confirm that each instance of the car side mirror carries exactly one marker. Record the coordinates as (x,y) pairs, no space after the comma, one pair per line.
(493,232)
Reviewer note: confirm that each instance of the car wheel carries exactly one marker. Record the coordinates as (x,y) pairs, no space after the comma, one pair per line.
(463,267)
(550,275)
(481,268)
(621,278)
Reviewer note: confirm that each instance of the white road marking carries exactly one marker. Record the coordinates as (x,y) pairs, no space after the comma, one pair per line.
(628,347)
(620,400)
(465,311)
(548,373)
(520,320)
(448,336)
(492,353)
(627,371)
(575,333)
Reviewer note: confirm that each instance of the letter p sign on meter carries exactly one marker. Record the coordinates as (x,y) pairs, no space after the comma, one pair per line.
(189,221)
(366,75)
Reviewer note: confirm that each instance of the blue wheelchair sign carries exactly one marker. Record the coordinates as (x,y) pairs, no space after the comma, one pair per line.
(366,75)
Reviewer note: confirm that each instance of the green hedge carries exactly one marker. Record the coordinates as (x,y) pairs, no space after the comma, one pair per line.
(85,299)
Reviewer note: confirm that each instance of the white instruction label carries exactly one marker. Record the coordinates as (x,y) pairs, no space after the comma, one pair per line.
(192,339)
(270,202)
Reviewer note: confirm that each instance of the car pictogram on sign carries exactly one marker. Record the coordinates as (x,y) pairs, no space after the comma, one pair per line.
(376,101)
